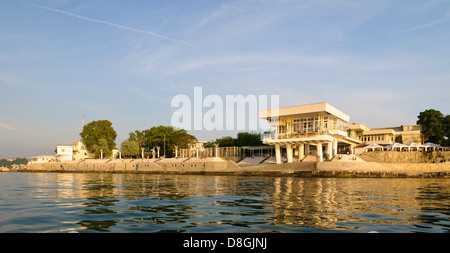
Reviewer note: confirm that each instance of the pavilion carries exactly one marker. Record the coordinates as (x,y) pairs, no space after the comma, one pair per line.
(302,129)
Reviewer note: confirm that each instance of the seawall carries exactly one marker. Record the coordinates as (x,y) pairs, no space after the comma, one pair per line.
(408,157)
(220,166)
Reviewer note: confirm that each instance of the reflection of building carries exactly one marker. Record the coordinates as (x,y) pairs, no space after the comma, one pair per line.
(316,127)
(388,135)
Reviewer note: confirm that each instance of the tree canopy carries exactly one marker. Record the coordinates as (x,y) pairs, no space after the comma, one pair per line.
(163,136)
(435,127)
(243,139)
(130,148)
(248,139)
(99,136)
(446,141)
(9,163)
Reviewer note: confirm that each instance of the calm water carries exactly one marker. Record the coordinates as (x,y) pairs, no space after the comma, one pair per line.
(62,203)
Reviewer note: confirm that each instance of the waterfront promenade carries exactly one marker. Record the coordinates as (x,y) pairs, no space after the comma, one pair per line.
(346,166)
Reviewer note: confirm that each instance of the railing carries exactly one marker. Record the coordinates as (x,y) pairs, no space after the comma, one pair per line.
(210,152)
(293,135)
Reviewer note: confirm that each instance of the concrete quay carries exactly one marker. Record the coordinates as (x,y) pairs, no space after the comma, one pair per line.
(219,166)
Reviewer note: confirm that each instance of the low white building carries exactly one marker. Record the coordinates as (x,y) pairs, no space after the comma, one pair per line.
(41,159)
(64,153)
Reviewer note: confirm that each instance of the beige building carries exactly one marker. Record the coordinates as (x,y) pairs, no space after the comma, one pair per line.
(384,136)
(80,152)
(75,152)
(317,129)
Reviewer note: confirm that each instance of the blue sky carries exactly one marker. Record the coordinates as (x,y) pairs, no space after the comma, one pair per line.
(381,62)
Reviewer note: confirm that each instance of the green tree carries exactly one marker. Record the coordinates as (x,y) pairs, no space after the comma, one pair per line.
(446,141)
(399,139)
(248,139)
(9,164)
(226,141)
(432,123)
(99,135)
(130,148)
(243,139)
(166,137)
(102,148)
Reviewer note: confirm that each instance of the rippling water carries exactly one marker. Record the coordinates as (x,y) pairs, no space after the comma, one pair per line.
(47,202)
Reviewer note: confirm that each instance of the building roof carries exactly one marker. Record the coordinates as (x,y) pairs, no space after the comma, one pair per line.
(305,109)
(379,131)
(358,126)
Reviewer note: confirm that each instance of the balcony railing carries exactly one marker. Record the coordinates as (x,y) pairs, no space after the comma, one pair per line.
(293,135)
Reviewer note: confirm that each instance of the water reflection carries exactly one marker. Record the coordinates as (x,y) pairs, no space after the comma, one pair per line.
(187,203)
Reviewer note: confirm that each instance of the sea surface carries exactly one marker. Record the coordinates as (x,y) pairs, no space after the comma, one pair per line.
(147,203)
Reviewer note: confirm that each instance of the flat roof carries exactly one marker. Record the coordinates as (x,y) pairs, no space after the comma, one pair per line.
(304,109)
(379,131)
(358,126)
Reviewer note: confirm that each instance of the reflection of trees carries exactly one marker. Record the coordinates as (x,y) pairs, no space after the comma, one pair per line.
(97,225)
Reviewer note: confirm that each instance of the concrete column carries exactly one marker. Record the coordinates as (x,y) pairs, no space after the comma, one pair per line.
(301,151)
(352,149)
(278,153)
(319,152)
(289,152)
(330,150)
(335,147)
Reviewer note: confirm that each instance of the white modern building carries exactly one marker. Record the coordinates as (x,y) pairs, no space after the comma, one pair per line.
(314,129)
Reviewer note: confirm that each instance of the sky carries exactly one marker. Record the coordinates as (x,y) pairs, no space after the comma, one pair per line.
(381,62)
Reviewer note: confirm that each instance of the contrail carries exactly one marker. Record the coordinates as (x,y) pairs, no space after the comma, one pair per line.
(104,22)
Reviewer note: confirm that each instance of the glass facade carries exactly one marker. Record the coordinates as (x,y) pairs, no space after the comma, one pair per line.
(313,124)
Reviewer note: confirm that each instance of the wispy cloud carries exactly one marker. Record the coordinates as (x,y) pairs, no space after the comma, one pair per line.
(427,25)
(7,126)
(104,22)
(23,132)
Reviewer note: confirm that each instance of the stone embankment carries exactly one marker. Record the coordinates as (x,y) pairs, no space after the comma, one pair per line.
(408,157)
(344,167)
